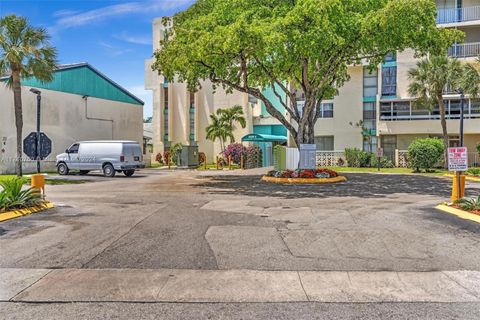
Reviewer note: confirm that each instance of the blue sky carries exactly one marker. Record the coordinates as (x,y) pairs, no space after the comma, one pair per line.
(113,36)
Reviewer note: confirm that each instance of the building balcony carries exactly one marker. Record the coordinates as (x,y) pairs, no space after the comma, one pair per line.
(465,50)
(405,111)
(457,15)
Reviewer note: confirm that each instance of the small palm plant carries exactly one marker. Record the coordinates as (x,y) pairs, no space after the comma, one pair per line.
(13,196)
(469,204)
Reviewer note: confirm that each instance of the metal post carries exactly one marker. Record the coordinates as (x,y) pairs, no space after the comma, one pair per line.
(38,151)
(458,173)
(462,97)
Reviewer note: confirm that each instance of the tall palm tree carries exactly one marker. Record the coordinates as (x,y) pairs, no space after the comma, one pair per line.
(232,115)
(433,76)
(218,129)
(24,52)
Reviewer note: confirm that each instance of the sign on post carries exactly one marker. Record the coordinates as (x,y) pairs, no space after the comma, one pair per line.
(308,154)
(30,146)
(380,153)
(458,159)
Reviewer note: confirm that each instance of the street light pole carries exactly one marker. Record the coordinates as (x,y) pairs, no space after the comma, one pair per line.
(38,146)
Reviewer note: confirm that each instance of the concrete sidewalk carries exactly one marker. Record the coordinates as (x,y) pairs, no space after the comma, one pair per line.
(168,285)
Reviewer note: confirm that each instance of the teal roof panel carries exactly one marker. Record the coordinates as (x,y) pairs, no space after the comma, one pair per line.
(83,79)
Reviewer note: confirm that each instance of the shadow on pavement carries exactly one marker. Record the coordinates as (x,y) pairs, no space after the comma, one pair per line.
(358,185)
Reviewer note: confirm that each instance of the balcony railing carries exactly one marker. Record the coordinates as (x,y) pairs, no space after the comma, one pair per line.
(458,15)
(404,110)
(464,50)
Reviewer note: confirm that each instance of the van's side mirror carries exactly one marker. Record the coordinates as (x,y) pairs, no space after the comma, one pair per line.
(67,151)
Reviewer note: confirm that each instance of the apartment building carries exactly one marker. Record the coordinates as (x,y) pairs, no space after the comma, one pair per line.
(379,99)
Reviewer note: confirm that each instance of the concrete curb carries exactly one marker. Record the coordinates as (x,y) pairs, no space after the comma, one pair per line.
(225,286)
(459,213)
(25,212)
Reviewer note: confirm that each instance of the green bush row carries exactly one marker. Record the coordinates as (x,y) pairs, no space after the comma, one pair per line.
(362,159)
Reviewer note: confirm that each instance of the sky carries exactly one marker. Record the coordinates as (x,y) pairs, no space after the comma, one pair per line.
(114,36)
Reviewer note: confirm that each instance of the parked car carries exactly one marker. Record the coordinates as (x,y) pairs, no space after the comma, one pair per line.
(108,156)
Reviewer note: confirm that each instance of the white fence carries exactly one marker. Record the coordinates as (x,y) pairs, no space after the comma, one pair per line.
(292,158)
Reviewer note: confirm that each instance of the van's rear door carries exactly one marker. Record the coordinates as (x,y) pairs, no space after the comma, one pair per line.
(132,153)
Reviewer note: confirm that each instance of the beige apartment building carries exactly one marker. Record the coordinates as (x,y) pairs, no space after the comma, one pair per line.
(380,99)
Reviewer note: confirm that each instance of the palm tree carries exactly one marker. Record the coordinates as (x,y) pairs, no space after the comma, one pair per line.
(218,129)
(24,52)
(230,116)
(433,76)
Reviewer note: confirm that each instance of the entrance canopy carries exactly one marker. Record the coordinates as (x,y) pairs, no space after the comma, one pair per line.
(257,137)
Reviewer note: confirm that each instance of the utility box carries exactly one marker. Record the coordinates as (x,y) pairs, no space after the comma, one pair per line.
(188,157)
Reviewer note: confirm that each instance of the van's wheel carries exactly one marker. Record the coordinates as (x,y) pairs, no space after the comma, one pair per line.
(62,169)
(84,172)
(128,173)
(108,170)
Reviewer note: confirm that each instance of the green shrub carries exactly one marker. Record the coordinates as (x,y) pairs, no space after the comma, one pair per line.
(357,158)
(469,204)
(13,197)
(425,153)
(384,162)
(478,148)
(474,171)
(253,157)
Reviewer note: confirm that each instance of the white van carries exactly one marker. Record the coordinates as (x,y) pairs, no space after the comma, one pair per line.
(108,156)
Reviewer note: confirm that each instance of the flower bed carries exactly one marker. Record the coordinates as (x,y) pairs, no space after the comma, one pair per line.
(303,176)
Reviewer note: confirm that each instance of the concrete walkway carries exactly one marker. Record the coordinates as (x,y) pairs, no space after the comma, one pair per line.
(229,286)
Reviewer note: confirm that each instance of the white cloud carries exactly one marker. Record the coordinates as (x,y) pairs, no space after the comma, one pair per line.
(135,39)
(75,19)
(114,51)
(63,13)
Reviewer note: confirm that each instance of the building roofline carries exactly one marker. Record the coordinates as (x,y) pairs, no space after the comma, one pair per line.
(62,67)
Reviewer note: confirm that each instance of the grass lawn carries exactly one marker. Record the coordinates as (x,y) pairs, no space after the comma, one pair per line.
(437,172)
(47,180)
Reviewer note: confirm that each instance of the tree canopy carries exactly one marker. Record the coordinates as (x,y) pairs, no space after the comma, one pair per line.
(290,45)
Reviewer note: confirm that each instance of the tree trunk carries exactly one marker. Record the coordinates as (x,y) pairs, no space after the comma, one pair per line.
(17,101)
(443,121)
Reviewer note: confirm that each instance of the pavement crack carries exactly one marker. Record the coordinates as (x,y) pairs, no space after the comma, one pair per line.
(118,239)
(460,285)
(29,286)
(303,288)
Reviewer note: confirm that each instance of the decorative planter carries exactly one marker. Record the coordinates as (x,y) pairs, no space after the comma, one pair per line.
(304,180)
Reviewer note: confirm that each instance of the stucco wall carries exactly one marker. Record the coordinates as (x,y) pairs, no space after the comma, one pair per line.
(347,107)
(64,120)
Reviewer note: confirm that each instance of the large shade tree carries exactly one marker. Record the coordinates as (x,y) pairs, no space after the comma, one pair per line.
(433,76)
(24,52)
(247,45)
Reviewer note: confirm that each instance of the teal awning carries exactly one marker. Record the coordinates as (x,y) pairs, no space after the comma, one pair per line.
(256,137)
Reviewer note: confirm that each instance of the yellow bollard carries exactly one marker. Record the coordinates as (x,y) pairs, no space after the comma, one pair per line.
(458,187)
(38,182)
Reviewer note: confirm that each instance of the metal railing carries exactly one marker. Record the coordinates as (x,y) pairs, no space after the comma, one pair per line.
(464,50)
(454,15)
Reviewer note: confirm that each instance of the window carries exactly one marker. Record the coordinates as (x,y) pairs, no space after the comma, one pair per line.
(192,117)
(165,114)
(326,110)
(370,144)
(389,81)
(370,82)
(389,144)
(74,148)
(391,57)
(385,110)
(369,111)
(401,109)
(324,143)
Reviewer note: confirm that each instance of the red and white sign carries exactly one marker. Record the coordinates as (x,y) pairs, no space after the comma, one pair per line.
(458,159)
